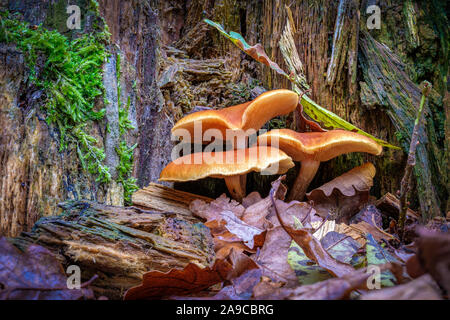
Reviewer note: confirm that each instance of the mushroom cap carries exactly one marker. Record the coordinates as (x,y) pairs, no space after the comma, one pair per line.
(249,115)
(320,146)
(228,163)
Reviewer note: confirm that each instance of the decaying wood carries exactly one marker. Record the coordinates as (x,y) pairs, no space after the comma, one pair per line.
(391,87)
(120,244)
(390,204)
(164,199)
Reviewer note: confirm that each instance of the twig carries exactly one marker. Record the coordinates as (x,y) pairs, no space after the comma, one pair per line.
(411,162)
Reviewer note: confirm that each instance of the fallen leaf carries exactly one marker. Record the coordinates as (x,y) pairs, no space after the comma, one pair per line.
(376,255)
(212,210)
(191,279)
(234,223)
(272,258)
(256,214)
(339,246)
(241,229)
(343,196)
(356,234)
(302,211)
(251,198)
(34,275)
(306,270)
(321,229)
(423,288)
(240,263)
(331,289)
(241,288)
(433,251)
(314,250)
(369,214)
(366,228)
(224,251)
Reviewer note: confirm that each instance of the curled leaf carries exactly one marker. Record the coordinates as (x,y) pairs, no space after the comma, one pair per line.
(332,121)
(344,195)
(241,229)
(314,250)
(191,279)
(256,52)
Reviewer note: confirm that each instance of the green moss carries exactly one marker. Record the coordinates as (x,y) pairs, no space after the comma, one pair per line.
(72,78)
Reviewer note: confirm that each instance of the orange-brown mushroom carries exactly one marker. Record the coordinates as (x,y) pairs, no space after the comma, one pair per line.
(232,165)
(312,148)
(249,115)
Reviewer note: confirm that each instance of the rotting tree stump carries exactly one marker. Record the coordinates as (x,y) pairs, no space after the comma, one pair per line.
(120,244)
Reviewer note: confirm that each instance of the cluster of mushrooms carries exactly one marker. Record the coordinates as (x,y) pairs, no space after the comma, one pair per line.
(310,148)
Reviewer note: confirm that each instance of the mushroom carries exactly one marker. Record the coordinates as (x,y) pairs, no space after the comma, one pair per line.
(312,148)
(232,165)
(249,115)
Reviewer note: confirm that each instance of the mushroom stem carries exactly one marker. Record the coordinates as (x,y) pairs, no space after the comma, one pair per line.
(236,186)
(308,170)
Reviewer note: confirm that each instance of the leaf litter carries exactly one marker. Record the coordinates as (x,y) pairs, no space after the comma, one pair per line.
(267,248)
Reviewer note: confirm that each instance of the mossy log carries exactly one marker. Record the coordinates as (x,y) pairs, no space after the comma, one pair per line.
(120,244)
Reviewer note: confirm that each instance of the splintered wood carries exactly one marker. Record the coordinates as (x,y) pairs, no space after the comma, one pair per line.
(164,199)
(119,244)
(390,204)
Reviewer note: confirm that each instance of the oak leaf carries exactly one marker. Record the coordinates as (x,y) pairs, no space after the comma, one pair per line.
(34,275)
(344,196)
(176,282)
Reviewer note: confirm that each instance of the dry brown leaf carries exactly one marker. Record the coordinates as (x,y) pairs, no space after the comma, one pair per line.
(331,289)
(369,214)
(34,275)
(256,213)
(225,249)
(241,288)
(302,211)
(356,234)
(272,258)
(233,223)
(423,288)
(344,196)
(210,211)
(191,279)
(251,199)
(240,263)
(434,255)
(313,249)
